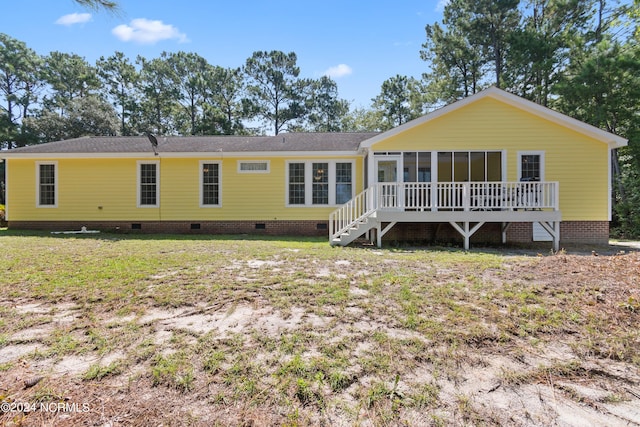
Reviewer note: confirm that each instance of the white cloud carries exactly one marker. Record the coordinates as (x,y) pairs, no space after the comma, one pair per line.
(441,5)
(74,18)
(146,31)
(337,71)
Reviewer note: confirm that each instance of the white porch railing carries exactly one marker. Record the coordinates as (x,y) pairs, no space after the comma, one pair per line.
(444,196)
(356,209)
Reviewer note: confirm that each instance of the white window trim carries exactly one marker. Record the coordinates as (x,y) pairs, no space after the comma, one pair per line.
(55,184)
(139,181)
(268,163)
(201,183)
(308,182)
(531,153)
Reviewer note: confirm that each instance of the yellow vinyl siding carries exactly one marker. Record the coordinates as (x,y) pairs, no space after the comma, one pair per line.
(106,189)
(578,162)
(264,196)
(88,189)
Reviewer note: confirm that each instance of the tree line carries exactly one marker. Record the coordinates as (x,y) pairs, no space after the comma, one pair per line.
(579,57)
(61,96)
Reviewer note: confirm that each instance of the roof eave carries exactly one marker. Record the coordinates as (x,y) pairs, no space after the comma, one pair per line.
(190,154)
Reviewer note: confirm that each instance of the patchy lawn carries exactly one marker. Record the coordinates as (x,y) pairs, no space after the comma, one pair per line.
(180,330)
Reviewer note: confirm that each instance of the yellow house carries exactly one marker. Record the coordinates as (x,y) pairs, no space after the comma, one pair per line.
(491,166)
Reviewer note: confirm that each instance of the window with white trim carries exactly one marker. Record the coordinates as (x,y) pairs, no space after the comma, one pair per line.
(210,184)
(297,187)
(531,166)
(320,186)
(318,183)
(47,179)
(253,166)
(344,182)
(148,184)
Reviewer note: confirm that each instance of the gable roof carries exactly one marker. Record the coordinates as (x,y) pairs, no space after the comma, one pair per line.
(614,141)
(118,145)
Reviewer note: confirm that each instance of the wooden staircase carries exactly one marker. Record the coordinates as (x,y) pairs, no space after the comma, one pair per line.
(353,219)
(355,230)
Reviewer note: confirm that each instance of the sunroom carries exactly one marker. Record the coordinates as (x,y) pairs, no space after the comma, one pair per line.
(465,188)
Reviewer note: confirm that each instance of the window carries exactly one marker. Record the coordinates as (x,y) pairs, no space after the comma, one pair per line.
(319,183)
(296,184)
(320,186)
(148,184)
(253,166)
(344,186)
(47,185)
(210,179)
(530,166)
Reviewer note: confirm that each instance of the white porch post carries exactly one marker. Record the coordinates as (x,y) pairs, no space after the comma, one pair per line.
(505,227)
(465,231)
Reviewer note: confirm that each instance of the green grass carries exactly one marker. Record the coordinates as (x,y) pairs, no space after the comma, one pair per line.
(361,322)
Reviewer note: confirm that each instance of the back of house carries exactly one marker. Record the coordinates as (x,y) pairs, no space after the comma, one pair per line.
(491,167)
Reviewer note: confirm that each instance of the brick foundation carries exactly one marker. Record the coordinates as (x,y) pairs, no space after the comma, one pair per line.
(268,228)
(574,232)
(591,232)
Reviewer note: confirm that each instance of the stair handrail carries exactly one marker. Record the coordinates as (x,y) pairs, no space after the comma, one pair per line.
(356,209)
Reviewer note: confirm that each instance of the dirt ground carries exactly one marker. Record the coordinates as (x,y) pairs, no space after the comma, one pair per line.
(522,382)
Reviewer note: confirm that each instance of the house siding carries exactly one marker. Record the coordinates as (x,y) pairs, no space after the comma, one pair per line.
(578,162)
(106,190)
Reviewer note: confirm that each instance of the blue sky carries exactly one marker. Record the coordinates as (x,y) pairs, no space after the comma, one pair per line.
(359,44)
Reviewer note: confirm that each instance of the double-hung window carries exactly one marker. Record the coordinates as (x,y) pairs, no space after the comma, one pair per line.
(344,182)
(320,183)
(210,184)
(148,184)
(312,183)
(47,179)
(297,187)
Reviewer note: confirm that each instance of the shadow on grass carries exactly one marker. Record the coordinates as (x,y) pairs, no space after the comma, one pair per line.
(159,236)
(535,249)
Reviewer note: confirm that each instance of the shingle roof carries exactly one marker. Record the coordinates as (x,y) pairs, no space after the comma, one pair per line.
(330,141)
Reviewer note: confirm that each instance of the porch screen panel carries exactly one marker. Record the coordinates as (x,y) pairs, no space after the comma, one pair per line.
(410,162)
(320,187)
(296,184)
(424,167)
(148,184)
(494,166)
(477,166)
(344,189)
(211,184)
(460,167)
(445,167)
(47,185)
